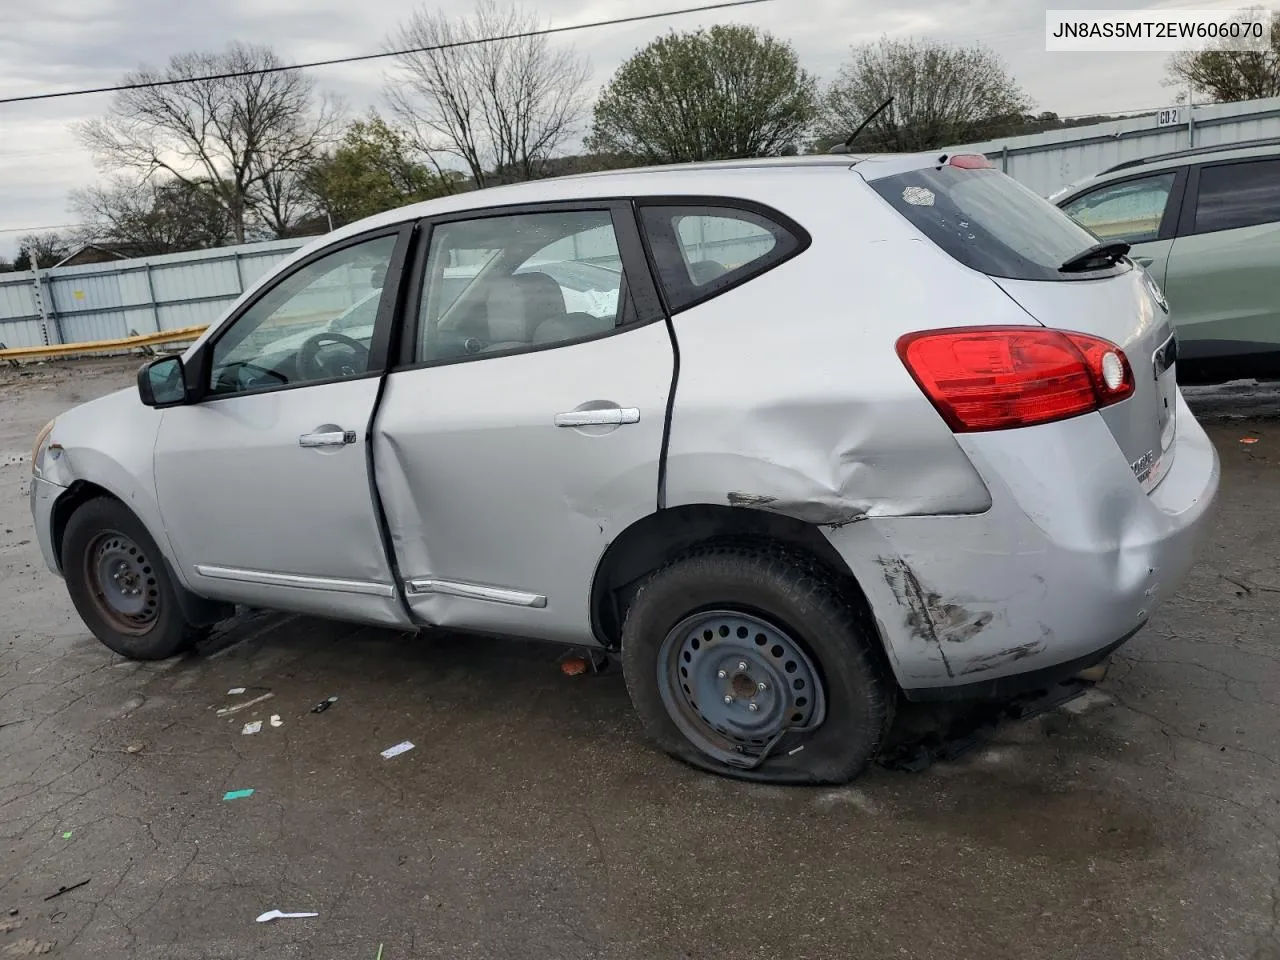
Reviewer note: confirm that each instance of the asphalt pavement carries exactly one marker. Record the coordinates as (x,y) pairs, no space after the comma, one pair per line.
(531,819)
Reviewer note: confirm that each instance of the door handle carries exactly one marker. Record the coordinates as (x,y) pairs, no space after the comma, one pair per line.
(1144,261)
(329,438)
(610,416)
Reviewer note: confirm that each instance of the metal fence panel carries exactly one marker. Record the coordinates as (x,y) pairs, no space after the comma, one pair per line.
(1045,162)
(107,301)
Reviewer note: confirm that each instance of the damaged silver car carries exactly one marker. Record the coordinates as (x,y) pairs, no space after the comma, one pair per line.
(795,437)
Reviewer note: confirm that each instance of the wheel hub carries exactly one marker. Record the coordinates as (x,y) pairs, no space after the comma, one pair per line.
(733,682)
(126,589)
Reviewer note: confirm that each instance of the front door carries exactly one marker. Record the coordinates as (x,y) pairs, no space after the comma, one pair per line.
(525,430)
(263,483)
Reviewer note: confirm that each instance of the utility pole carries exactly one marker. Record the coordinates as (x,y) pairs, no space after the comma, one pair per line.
(1191,123)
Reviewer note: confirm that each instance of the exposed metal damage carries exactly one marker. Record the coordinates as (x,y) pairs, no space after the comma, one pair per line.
(992,660)
(824,512)
(929,616)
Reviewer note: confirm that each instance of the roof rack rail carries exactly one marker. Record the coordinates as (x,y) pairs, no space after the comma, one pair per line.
(1195,151)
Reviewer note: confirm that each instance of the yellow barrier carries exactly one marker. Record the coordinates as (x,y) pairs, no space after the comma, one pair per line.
(97,346)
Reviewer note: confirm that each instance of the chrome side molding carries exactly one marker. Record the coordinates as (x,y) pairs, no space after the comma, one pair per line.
(296,580)
(474,591)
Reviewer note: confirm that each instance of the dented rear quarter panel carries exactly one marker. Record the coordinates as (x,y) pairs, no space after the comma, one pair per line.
(791,396)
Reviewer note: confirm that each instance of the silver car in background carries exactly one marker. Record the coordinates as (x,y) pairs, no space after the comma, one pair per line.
(797,437)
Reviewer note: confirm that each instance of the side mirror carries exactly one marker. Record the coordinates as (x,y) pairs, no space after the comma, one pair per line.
(161,383)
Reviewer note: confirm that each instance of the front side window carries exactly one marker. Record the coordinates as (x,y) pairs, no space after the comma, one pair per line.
(505,283)
(1234,195)
(700,251)
(1131,211)
(315,324)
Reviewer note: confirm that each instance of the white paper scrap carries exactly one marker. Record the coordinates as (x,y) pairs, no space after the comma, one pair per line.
(276,721)
(398,749)
(253,727)
(235,691)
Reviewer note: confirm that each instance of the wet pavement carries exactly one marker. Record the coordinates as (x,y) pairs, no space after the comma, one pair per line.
(532,820)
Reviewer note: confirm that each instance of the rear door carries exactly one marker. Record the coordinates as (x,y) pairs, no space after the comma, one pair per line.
(1141,210)
(1032,251)
(524,427)
(1222,275)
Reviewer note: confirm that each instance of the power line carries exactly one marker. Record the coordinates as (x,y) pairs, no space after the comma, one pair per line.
(51,226)
(390,53)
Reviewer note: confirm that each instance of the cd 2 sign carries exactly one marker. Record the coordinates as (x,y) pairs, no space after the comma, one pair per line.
(1167,117)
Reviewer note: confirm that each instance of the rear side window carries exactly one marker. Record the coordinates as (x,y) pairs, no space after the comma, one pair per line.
(990,222)
(1131,211)
(1236,195)
(701,251)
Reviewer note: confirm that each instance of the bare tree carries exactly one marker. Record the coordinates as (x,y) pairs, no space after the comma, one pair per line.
(241,133)
(942,95)
(1224,75)
(151,217)
(503,108)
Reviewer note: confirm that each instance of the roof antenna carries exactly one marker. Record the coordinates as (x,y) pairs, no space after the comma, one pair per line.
(848,144)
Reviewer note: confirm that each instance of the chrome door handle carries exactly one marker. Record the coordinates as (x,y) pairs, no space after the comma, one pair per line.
(331,438)
(608,417)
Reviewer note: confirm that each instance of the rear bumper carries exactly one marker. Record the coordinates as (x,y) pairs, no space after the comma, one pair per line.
(43,496)
(1070,561)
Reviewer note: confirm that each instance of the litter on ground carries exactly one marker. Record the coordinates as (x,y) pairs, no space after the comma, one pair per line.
(237,794)
(244,706)
(398,749)
(235,691)
(276,721)
(324,705)
(252,727)
(277,915)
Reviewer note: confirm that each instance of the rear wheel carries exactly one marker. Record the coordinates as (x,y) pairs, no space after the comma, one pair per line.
(120,584)
(750,662)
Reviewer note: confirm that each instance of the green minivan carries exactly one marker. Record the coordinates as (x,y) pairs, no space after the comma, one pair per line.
(1205,223)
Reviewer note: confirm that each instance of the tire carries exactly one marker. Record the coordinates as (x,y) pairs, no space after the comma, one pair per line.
(809,630)
(136,614)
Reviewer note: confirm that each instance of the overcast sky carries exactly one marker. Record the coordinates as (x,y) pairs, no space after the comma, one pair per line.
(62,44)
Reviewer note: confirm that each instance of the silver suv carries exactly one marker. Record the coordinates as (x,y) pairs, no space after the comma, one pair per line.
(797,437)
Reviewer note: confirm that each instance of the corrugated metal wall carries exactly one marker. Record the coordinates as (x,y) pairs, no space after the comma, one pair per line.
(106,301)
(1045,162)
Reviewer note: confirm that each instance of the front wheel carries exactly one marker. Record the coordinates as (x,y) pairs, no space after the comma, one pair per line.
(120,584)
(749,662)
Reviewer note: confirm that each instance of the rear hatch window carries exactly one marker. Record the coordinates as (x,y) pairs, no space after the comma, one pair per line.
(993,224)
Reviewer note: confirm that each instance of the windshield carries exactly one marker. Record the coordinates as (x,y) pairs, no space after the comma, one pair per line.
(991,223)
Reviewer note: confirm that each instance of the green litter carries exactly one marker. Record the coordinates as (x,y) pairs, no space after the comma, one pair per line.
(67,835)
(237,794)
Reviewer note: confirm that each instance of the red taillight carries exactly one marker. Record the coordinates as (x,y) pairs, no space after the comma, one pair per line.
(970,161)
(995,378)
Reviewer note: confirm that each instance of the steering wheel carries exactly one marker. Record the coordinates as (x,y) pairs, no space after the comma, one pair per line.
(311,363)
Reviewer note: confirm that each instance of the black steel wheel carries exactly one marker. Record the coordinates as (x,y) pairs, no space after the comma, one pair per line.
(749,661)
(124,586)
(121,585)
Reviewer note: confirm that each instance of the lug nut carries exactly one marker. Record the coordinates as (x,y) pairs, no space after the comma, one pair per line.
(753,707)
(721,674)
(762,686)
(742,665)
(728,699)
